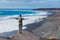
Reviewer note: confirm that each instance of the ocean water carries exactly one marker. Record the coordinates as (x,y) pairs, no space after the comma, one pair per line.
(8,12)
(8,26)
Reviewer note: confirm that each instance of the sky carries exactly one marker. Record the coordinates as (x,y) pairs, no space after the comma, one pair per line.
(29,3)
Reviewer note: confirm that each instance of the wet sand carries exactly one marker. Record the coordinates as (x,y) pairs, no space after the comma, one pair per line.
(32,26)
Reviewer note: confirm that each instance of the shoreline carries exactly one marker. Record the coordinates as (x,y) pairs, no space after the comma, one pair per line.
(33,26)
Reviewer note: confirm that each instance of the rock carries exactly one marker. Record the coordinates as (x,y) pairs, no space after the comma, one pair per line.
(2,39)
(52,38)
(24,36)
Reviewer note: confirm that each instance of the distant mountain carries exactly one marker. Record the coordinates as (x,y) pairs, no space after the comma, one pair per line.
(46,9)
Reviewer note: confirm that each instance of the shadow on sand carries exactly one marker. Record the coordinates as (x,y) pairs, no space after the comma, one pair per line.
(33,26)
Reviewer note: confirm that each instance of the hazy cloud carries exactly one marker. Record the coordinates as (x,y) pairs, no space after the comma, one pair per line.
(29,3)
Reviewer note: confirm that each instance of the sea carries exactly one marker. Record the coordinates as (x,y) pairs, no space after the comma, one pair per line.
(9,12)
(9,26)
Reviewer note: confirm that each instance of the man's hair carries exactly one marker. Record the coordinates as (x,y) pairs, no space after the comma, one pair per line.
(20,15)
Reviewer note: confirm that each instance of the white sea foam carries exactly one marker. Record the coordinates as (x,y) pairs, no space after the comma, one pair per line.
(7,25)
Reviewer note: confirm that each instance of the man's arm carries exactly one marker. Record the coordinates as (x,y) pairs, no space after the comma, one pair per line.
(25,18)
(14,18)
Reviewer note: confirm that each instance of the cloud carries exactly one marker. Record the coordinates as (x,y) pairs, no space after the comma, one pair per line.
(29,3)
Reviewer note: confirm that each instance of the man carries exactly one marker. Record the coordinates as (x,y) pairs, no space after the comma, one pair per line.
(20,22)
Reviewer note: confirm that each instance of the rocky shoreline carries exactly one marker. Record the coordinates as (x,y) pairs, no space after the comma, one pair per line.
(49,29)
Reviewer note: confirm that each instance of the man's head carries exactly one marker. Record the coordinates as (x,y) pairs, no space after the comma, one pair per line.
(20,15)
